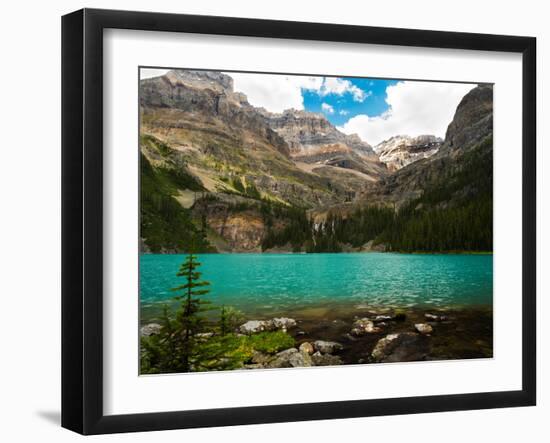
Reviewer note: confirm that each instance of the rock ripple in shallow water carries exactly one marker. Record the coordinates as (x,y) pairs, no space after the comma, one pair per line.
(363,326)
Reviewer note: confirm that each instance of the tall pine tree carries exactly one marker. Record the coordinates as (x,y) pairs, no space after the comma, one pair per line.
(189,318)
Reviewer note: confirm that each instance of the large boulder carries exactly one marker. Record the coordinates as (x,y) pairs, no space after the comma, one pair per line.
(404,346)
(327,347)
(300,360)
(290,358)
(254,326)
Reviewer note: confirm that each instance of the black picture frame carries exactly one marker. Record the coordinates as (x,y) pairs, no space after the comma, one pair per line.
(82,219)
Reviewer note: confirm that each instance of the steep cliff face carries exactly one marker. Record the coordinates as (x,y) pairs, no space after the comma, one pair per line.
(236,230)
(308,134)
(402,150)
(473,120)
(313,139)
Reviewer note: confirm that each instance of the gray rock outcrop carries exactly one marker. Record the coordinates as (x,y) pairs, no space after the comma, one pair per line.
(401,347)
(327,347)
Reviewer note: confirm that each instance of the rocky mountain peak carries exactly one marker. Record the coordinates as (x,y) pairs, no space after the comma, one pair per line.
(217,81)
(309,133)
(401,150)
(207,98)
(473,119)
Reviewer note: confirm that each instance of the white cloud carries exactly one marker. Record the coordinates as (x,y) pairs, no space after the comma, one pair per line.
(340,86)
(343,112)
(279,92)
(415,108)
(150,72)
(327,108)
(275,92)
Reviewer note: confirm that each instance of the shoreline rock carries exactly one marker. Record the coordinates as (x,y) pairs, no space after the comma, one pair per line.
(255,326)
(290,358)
(150,329)
(275,324)
(306,347)
(423,328)
(283,323)
(327,347)
(401,347)
(326,359)
(364,326)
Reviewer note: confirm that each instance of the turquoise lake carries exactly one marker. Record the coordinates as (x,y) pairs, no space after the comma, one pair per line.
(263,283)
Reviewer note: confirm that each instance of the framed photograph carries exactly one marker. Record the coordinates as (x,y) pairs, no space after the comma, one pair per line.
(270,221)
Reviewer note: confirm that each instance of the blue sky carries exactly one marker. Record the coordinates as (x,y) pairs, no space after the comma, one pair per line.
(341,108)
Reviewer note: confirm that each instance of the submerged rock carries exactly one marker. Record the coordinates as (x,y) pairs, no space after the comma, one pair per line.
(404,346)
(283,323)
(325,359)
(435,317)
(150,329)
(363,326)
(327,347)
(400,316)
(423,328)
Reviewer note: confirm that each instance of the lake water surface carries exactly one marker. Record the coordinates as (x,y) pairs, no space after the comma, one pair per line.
(264,283)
